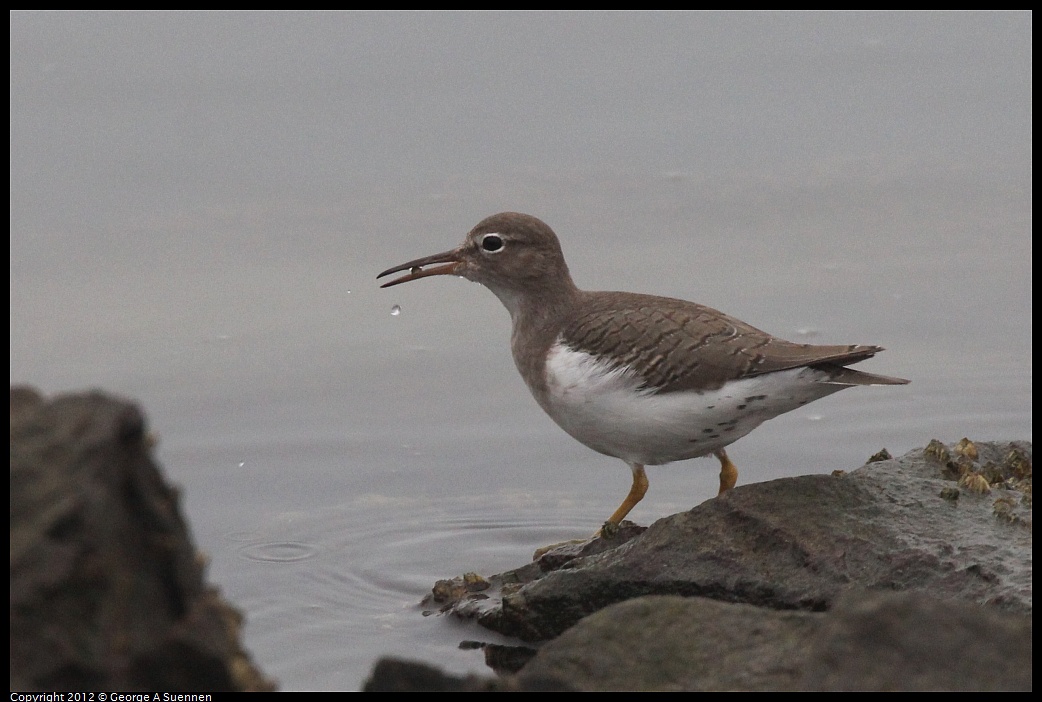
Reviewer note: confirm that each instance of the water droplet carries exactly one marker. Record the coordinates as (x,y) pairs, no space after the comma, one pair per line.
(414,270)
(348,292)
(396,310)
(242,464)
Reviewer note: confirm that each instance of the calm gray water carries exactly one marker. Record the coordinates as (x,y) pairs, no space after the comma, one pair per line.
(200,203)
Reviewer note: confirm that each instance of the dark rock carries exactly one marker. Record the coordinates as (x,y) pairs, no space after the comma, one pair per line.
(669,643)
(910,641)
(895,576)
(505,660)
(396,675)
(868,641)
(107,590)
(797,544)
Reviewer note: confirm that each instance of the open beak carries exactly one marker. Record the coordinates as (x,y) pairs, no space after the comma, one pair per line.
(451,259)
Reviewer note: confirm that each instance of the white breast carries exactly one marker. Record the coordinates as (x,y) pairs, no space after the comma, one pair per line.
(604,407)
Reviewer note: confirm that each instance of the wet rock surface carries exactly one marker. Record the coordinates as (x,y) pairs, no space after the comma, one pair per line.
(107,590)
(781,567)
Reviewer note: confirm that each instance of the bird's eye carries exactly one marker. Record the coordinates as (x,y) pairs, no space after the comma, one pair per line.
(492,243)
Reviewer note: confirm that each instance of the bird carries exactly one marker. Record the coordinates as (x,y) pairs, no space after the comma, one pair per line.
(646,379)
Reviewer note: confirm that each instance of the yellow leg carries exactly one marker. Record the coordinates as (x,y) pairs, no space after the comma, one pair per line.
(728,472)
(611,527)
(637,491)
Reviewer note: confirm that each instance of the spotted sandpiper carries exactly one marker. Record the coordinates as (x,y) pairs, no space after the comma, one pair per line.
(647,379)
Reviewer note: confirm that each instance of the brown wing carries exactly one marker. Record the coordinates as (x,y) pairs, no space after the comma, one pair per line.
(678,345)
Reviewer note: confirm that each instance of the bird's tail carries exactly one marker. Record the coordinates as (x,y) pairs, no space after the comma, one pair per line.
(841,375)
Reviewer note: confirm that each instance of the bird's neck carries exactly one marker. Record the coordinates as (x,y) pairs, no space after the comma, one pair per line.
(537,315)
(539,302)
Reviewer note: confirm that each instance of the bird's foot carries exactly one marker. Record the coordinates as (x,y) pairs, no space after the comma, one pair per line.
(609,536)
(609,530)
